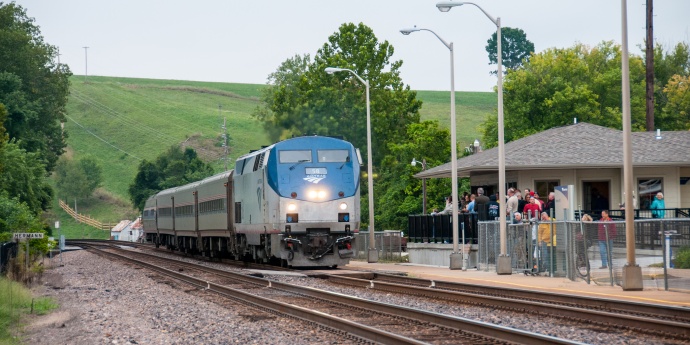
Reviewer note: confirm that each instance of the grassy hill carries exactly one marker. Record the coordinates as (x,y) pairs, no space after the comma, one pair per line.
(121,121)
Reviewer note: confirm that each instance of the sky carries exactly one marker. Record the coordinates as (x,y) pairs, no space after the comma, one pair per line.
(243,41)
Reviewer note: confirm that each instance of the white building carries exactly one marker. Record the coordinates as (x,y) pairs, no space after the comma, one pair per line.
(127,230)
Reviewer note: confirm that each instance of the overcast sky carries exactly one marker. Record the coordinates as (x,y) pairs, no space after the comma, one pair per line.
(242,41)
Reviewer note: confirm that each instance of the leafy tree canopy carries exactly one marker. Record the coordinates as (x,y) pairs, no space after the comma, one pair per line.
(515,48)
(398,193)
(557,85)
(33,89)
(171,169)
(671,71)
(23,177)
(78,179)
(302,99)
(16,216)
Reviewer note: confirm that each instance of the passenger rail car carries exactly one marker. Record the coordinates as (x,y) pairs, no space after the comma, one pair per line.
(295,202)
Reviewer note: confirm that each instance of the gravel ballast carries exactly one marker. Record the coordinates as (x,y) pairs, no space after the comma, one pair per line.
(103,301)
(107,302)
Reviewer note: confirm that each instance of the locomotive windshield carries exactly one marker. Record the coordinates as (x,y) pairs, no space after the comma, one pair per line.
(338,156)
(295,156)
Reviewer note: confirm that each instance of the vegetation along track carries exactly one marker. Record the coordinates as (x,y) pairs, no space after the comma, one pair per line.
(638,317)
(356,317)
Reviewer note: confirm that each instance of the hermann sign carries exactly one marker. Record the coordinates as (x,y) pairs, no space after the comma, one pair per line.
(24,235)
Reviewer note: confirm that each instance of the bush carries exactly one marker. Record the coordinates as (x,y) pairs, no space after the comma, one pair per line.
(682,258)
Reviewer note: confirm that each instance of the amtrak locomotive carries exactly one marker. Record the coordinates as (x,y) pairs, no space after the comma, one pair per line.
(295,203)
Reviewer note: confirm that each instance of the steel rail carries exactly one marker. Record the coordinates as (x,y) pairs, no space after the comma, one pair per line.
(660,311)
(285,309)
(461,324)
(434,291)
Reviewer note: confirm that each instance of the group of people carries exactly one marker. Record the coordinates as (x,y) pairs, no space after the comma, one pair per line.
(529,207)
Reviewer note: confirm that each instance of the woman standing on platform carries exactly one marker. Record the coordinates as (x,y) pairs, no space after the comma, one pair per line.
(606,234)
(658,206)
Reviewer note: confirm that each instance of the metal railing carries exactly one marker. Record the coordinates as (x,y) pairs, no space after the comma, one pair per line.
(439,229)
(592,251)
(390,245)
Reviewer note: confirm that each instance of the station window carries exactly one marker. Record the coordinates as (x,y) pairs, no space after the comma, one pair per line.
(647,189)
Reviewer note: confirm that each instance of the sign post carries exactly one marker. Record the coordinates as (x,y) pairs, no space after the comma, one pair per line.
(26,236)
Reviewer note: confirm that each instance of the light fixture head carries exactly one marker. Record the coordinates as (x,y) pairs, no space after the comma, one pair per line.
(414,162)
(408,31)
(445,6)
(331,70)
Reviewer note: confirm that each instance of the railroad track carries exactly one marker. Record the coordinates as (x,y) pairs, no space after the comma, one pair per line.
(353,317)
(639,317)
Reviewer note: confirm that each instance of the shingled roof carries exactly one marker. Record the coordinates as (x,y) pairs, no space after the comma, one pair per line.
(581,145)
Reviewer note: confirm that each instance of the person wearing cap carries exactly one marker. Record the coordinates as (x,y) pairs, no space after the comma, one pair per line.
(541,203)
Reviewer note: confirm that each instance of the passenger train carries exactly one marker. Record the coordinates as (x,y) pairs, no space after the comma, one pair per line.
(294,203)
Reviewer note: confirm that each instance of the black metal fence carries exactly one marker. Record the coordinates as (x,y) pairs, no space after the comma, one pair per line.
(439,229)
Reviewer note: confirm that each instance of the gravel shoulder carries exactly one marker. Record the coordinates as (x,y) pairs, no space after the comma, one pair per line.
(107,302)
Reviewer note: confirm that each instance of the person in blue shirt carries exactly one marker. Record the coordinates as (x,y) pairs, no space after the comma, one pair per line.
(658,206)
(470,206)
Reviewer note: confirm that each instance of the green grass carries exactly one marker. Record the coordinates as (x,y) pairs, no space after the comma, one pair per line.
(471,109)
(16,301)
(120,121)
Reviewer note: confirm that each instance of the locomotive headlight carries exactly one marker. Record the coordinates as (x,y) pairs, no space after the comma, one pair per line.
(343,206)
(322,194)
(312,194)
(291,207)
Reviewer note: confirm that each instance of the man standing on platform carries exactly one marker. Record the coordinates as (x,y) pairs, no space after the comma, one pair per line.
(481,204)
(512,204)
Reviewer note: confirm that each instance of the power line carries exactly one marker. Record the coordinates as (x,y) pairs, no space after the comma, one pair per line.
(101,139)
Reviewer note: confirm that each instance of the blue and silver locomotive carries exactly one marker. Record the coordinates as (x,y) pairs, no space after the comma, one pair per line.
(295,202)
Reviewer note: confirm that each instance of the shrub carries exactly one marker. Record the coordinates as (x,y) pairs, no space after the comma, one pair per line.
(682,258)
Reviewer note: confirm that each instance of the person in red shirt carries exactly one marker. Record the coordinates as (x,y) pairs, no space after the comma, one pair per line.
(533,209)
(606,231)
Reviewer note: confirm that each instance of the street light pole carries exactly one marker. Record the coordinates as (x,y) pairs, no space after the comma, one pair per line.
(373,255)
(503,265)
(632,273)
(414,163)
(457,260)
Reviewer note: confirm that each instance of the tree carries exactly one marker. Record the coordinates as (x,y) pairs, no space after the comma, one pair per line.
(33,89)
(78,179)
(23,177)
(676,113)
(302,99)
(3,134)
(398,193)
(668,65)
(16,216)
(515,48)
(171,169)
(558,85)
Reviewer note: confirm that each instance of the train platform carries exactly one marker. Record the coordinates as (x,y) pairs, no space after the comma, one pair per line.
(559,285)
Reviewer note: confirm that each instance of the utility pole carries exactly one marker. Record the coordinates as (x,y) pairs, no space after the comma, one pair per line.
(650,67)
(86,63)
(225,139)
(58,56)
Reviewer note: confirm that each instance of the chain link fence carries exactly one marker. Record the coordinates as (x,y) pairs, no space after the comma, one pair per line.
(390,245)
(591,251)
